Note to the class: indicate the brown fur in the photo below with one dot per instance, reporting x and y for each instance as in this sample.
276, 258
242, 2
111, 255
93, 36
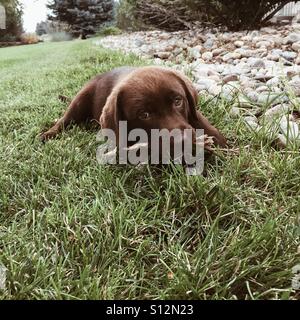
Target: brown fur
123, 93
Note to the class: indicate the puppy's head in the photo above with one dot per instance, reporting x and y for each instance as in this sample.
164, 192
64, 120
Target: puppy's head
151, 98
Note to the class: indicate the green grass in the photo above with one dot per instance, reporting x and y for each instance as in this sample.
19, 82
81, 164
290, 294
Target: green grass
71, 229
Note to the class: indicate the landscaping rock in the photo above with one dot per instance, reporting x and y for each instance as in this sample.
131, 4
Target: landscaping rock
276, 111
252, 124
235, 112
230, 78
207, 56
163, 55
289, 129
256, 63
296, 46
295, 86
289, 55
238, 43
291, 38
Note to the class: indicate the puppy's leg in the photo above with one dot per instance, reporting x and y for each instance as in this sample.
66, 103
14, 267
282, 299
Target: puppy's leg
78, 111
203, 123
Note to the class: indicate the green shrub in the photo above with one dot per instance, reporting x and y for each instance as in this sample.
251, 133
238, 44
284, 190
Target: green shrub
60, 36
127, 17
183, 14
110, 30
29, 38
8, 38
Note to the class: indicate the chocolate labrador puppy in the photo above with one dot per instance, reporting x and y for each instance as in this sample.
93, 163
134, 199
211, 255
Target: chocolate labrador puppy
147, 97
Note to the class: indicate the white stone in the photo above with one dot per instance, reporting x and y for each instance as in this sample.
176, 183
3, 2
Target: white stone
256, 63
217, 51
276, 111
252, 96
194, 53
268, 98
289, 129
207, 56
177, 51
206, 82
214, 90
250, 119
262, 89
243, 102
235, 111
216, 78
252, 125
273, 82
200, 87
295, 85
273, 57
291, 38
263, 44
209, 43
296, 46
231, 56
289, 55
245, 53
212, 72
163, 55
239, 43
290, 72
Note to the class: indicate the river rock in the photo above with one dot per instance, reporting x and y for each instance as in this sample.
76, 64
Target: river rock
291, 38
239, 43
207, 56
289, 129
276, 111
230, 78
295, 85
256, 63
163, 55
289, 55
296, 46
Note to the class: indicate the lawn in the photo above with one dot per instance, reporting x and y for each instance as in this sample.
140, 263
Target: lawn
72, 229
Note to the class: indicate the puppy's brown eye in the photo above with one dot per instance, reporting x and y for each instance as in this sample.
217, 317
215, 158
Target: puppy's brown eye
144, 115
178, 102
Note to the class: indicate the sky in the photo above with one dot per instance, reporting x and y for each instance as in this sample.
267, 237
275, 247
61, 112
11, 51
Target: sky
34, 11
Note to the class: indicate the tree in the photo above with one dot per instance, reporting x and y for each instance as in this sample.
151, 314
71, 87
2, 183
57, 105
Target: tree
41, 28
50, 27
14, 13
83, 16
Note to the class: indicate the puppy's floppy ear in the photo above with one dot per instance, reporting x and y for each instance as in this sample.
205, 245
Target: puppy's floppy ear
191, 94
196, 119
110, 116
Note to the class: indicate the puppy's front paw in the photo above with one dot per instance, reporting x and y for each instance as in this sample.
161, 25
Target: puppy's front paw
50, 134
221, 140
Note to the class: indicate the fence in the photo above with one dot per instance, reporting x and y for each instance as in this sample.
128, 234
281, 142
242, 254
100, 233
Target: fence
2, 277
289, 10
